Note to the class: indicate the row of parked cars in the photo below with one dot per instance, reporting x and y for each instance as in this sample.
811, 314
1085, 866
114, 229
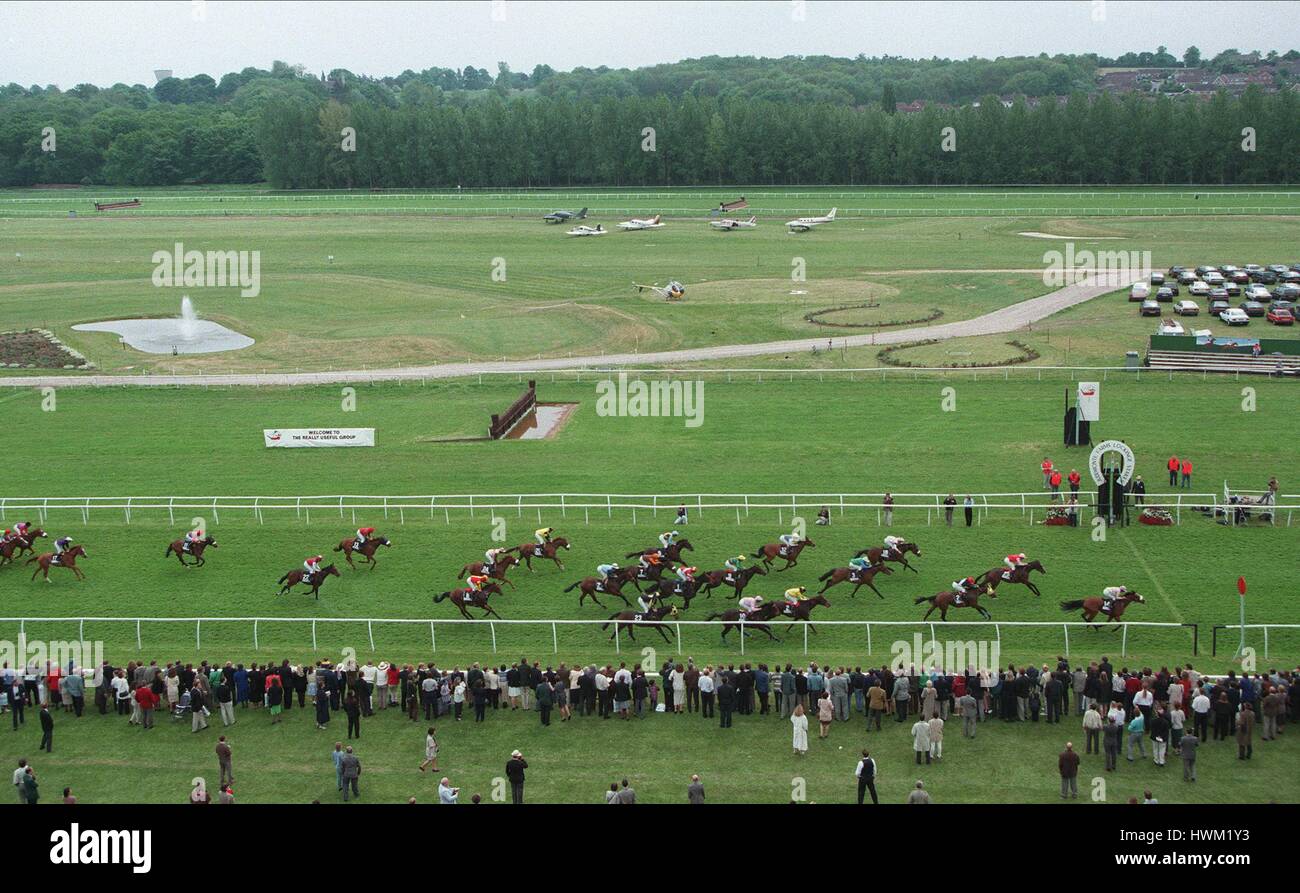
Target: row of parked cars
1218, 285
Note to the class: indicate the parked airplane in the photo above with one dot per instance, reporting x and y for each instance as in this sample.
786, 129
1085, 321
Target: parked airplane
634, 223
673, 291
561, 216
584, 230
803, 224
730, 223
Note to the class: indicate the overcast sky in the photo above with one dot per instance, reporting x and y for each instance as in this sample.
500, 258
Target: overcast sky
107, 42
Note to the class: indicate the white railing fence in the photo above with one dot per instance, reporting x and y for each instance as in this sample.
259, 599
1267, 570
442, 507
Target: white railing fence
1263, 627
673, 625
1033, 506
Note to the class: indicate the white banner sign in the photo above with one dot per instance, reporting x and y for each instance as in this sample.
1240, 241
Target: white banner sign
1089, 401
1126, 461
319, 437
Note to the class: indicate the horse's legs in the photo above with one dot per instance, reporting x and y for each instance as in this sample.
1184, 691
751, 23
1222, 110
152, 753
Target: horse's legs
811, 627
663, 633
624, 597
933, 605
1032, 588
908, 566
875, 590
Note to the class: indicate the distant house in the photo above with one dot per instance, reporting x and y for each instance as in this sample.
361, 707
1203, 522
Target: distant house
909, 107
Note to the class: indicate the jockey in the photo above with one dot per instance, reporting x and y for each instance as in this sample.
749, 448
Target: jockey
605, 569
1012, 562
963, 587
543, 535
860, 563
7, 535
733, 564
795, 594
788, 539
194, 537
668, 538
648, 601
1110, 593
60, 546
749, 605
686, 574
650, 559
362, 534
490, 558
892, 544
20, 529
312, 564
476, 582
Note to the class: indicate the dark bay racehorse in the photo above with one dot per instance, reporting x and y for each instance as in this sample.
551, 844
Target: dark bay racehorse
590, 587
669, 555
529, 551
68, 559
626, 621
1091, 607
991, 578
948, 599
195, 549
297, 575
876, 554
504, 562
859, 578
15, 546
464, 599
759, 621
803, 610
367, 550
772, 551
738, 580
664, 589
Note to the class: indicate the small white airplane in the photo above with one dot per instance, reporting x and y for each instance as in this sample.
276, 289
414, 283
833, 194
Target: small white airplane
803, 224
585, 230
634, 223
562, 216
730, 223
673, 291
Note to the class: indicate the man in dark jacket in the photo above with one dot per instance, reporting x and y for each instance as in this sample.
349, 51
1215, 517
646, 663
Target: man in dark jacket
545, 700
515, 772
47, 729
726, 702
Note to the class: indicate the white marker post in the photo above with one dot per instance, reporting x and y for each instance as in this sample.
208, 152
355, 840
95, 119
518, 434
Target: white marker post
1241, 593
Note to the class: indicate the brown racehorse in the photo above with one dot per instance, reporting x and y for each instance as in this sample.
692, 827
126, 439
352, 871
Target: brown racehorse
590, 587
669, 555
626, 621
765, 614
737, 580
636, 574
499, 567
991, 578
14, 547
948, 599
859, 578
876, 554
196, 549
296, 576
1091, 607
367, 550
772, 551
529, 551
664, 589
468, 598
68, 559
803, 610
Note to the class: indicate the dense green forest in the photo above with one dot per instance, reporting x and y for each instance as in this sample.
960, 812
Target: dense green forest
811, 120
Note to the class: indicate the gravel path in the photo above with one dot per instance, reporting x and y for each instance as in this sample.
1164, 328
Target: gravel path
1005, 319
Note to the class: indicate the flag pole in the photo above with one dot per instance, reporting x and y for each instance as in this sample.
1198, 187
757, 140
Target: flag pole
1241, 602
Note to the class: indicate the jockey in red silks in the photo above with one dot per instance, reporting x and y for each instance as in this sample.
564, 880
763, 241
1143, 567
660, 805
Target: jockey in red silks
477, 582
362, 534
1014, 561
312, 564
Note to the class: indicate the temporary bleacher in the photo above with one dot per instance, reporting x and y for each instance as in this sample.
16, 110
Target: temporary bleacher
1204, 361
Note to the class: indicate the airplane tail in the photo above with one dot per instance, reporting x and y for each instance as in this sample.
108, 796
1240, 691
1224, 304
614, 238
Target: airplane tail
831, 215
582, 215
753, 219
655, 219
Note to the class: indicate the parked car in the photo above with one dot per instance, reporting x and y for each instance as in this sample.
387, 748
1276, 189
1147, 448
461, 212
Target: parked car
1219, 292
1280, 316
1164, 294
1290, 276
1176, 269
1187, 308
1278, 268
1235, 316
1287, 292
1241, 277
1172, 285
1157, 278
1201, 271
1139, 291
1199, 288
1217, 307
1214, 277
1170, 327
1149, 308
1233, 289
1263, 277
1252, 268
1186, 277
1282, 304
1253, 308
1256, 293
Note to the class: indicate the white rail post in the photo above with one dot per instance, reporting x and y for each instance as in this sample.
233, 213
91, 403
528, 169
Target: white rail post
868, 638
492, 626
198, 638
313, 635
679, 637
617, 645
555, 639
433, 638
1123, 647
81, 630
138, 644
1066, 627
370, 633
933, 644
255, 634
805, 638
1265, 641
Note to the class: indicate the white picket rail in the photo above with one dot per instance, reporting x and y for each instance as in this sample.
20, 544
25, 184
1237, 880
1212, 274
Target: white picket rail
1032, 505
554, 625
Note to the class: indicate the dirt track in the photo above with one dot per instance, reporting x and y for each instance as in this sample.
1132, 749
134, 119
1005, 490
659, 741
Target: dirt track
1005, 319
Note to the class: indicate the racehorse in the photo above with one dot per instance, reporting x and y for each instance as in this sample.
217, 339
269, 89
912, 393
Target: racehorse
314, 580
802, 610
589, 587
68, 559
367, 550
736, 580
779, 550
759, 621
503, 563
1091, 607
991, 578
529, 551
636, 574
670, 553
195, 549
948, 599
14, 547
630, 620
876, 554
469, 598
664, 589
859, 578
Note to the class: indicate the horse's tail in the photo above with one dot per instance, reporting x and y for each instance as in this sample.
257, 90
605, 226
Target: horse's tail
1074, 605
925, 598
338, 548
573, 587
633, 554
285, 577
33, 558
759, 553
168, 553
438, 598
826, 576
462, 572
605, 625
